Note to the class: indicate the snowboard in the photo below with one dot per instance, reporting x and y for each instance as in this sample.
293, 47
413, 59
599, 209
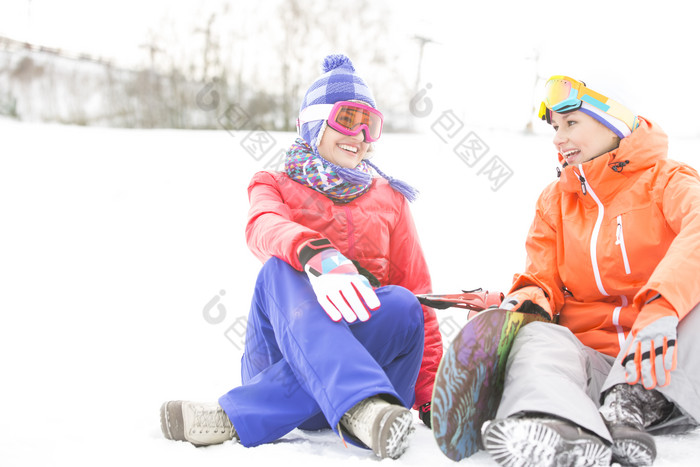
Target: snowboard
469, 381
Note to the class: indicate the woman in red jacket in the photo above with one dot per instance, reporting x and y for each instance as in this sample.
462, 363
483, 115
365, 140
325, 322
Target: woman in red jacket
614, 258
336, 336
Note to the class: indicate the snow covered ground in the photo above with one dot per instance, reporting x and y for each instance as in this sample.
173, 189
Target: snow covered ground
125, 279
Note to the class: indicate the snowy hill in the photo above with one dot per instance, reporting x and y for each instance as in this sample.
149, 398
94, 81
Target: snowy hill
115, 243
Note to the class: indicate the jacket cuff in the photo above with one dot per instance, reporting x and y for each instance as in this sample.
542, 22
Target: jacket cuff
655, 309
311, 248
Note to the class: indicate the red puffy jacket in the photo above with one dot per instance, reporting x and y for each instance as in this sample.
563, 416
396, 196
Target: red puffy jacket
375, 229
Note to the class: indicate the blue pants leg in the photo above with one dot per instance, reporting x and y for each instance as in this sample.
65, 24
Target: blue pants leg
299, 365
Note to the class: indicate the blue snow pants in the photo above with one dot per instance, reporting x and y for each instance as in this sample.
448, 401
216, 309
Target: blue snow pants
301, 369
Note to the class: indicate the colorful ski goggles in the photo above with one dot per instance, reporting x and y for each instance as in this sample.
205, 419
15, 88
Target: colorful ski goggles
348, 118
564, 94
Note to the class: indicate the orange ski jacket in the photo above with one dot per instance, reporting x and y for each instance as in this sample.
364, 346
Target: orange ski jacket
613, 233
375, 229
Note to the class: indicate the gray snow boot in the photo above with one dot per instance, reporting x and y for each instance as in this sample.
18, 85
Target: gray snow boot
628, 410
201, 424
381, 426
540, 441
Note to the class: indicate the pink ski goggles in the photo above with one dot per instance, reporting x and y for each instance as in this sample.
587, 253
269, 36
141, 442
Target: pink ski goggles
348, 118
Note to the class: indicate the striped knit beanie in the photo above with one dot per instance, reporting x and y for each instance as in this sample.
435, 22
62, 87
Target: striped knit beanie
339, 82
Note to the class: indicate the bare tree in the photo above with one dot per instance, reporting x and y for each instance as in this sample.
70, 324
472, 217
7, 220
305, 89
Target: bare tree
299, 29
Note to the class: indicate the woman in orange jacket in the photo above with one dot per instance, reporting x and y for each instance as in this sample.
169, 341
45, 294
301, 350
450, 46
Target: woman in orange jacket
614, 259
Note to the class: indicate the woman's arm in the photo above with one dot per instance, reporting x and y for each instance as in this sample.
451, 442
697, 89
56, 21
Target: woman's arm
270, 230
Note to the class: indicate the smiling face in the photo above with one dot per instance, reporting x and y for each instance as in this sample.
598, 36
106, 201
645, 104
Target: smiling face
342, 150
580, 137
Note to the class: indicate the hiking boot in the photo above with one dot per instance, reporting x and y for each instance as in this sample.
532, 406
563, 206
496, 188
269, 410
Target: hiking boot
542, 441
627, 411
381, 426
201, 424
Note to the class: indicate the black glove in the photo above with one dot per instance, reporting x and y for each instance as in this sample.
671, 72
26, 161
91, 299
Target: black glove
424, 414
529, 299
528, 306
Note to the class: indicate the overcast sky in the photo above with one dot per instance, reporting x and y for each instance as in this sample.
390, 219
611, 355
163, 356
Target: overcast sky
645, 51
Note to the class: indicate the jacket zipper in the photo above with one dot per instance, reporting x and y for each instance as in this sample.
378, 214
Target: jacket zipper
620, 240
582, 179
586, 188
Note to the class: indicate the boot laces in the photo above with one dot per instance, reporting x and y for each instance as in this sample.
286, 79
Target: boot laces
208, 419
361, 416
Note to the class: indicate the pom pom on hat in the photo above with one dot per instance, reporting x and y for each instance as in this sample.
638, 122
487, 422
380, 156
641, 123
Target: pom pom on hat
331, 62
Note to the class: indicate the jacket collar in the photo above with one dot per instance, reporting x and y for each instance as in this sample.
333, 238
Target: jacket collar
608, 172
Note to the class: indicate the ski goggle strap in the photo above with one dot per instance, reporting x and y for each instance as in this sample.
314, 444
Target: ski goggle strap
564, 94
348, 118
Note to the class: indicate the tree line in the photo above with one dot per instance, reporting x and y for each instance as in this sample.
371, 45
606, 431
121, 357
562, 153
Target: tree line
255, 56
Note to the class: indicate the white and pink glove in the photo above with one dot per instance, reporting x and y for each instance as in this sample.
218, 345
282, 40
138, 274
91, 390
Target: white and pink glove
339, 287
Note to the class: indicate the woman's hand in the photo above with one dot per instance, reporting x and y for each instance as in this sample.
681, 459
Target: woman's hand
530, 299
650, 353
339, 287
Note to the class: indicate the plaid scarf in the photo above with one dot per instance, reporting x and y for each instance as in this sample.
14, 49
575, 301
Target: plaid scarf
312, 170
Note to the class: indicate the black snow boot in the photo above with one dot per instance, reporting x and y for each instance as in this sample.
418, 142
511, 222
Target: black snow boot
628, 410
